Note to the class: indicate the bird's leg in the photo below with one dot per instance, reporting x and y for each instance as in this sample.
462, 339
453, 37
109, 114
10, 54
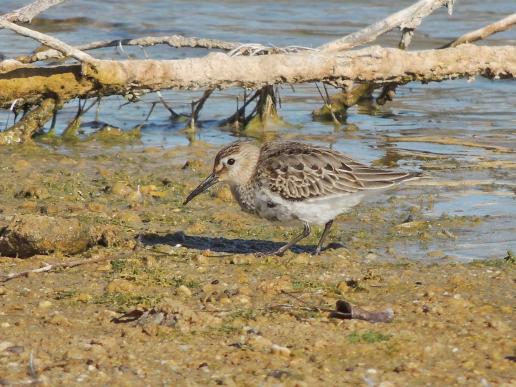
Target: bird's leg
304, 234
325, 232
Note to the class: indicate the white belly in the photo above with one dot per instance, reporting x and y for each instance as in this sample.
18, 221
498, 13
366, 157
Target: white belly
313, 211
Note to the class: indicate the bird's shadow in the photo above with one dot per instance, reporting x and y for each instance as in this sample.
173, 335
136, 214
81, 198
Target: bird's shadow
220, 245
223, 245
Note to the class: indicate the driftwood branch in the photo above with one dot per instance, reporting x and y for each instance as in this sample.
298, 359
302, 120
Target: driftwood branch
408, 18
176, 41
48, 41
482, 33
374, 64
23, 130
30, 11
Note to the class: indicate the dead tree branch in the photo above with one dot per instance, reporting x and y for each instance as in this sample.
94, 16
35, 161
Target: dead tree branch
176, 41
406, 19
30, 11
482, 33
48, 41
23, 130
374, 64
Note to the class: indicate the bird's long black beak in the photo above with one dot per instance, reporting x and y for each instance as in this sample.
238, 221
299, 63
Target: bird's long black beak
207, 183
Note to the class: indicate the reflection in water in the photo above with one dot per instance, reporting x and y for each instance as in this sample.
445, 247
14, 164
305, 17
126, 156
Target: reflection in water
480, 111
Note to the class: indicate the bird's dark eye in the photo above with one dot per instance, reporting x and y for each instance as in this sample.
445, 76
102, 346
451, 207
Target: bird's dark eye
231, 161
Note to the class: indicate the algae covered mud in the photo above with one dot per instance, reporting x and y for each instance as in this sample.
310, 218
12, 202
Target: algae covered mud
177, 296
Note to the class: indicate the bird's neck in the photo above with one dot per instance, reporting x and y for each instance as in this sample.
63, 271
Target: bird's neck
244, 195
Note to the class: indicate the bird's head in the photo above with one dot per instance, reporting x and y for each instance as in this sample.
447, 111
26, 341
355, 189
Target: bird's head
234, 164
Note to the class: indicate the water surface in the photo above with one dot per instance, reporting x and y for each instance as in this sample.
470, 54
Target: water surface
477, 110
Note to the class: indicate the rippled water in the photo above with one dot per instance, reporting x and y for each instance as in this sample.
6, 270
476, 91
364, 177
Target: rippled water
476, 110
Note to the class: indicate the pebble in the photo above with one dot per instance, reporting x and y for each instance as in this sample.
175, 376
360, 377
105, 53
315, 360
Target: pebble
3, 291
4, 345
44, 304
280, 350
184, 291
120, 285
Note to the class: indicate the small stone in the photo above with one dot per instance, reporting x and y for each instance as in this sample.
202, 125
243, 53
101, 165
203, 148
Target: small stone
4, 345
280, 350
202, 259
302, 259
3, 291
35, 192
120, 285
371, 257
184, 291
59, 320
259, 342
121, 188
21, 165
83, 297
5, 325
44, 304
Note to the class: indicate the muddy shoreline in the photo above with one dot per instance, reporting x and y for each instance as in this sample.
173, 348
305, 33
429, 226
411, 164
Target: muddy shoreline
229, 317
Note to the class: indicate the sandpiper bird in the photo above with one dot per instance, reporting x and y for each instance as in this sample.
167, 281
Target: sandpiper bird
292, 181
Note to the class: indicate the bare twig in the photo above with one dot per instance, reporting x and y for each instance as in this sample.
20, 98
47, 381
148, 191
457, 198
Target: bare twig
176, 41
55, 266
389, 91
343, 310
408, 18
241, 111
48, 41
482, 33
30, 11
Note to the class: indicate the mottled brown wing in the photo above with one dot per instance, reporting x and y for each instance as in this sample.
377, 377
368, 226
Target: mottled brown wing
298, 171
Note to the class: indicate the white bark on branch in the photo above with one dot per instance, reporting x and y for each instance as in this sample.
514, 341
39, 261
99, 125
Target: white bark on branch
482, 33
218, 70
48, 41
30, 11
408, 18
374, 64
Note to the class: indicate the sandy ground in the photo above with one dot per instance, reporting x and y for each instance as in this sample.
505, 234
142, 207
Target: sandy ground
220, 314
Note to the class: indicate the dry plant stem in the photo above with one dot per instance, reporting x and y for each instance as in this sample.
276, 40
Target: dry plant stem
408, 18
482, 33
23, 130
30, 11
48, 41
176, 41
197, 107
55, 266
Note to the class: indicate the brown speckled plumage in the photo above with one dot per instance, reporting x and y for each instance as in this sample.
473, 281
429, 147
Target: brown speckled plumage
292, 181
298, 171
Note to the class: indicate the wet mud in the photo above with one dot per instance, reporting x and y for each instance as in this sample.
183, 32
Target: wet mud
182, 298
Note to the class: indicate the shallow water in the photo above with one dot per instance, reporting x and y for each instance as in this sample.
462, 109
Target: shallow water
478, 110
